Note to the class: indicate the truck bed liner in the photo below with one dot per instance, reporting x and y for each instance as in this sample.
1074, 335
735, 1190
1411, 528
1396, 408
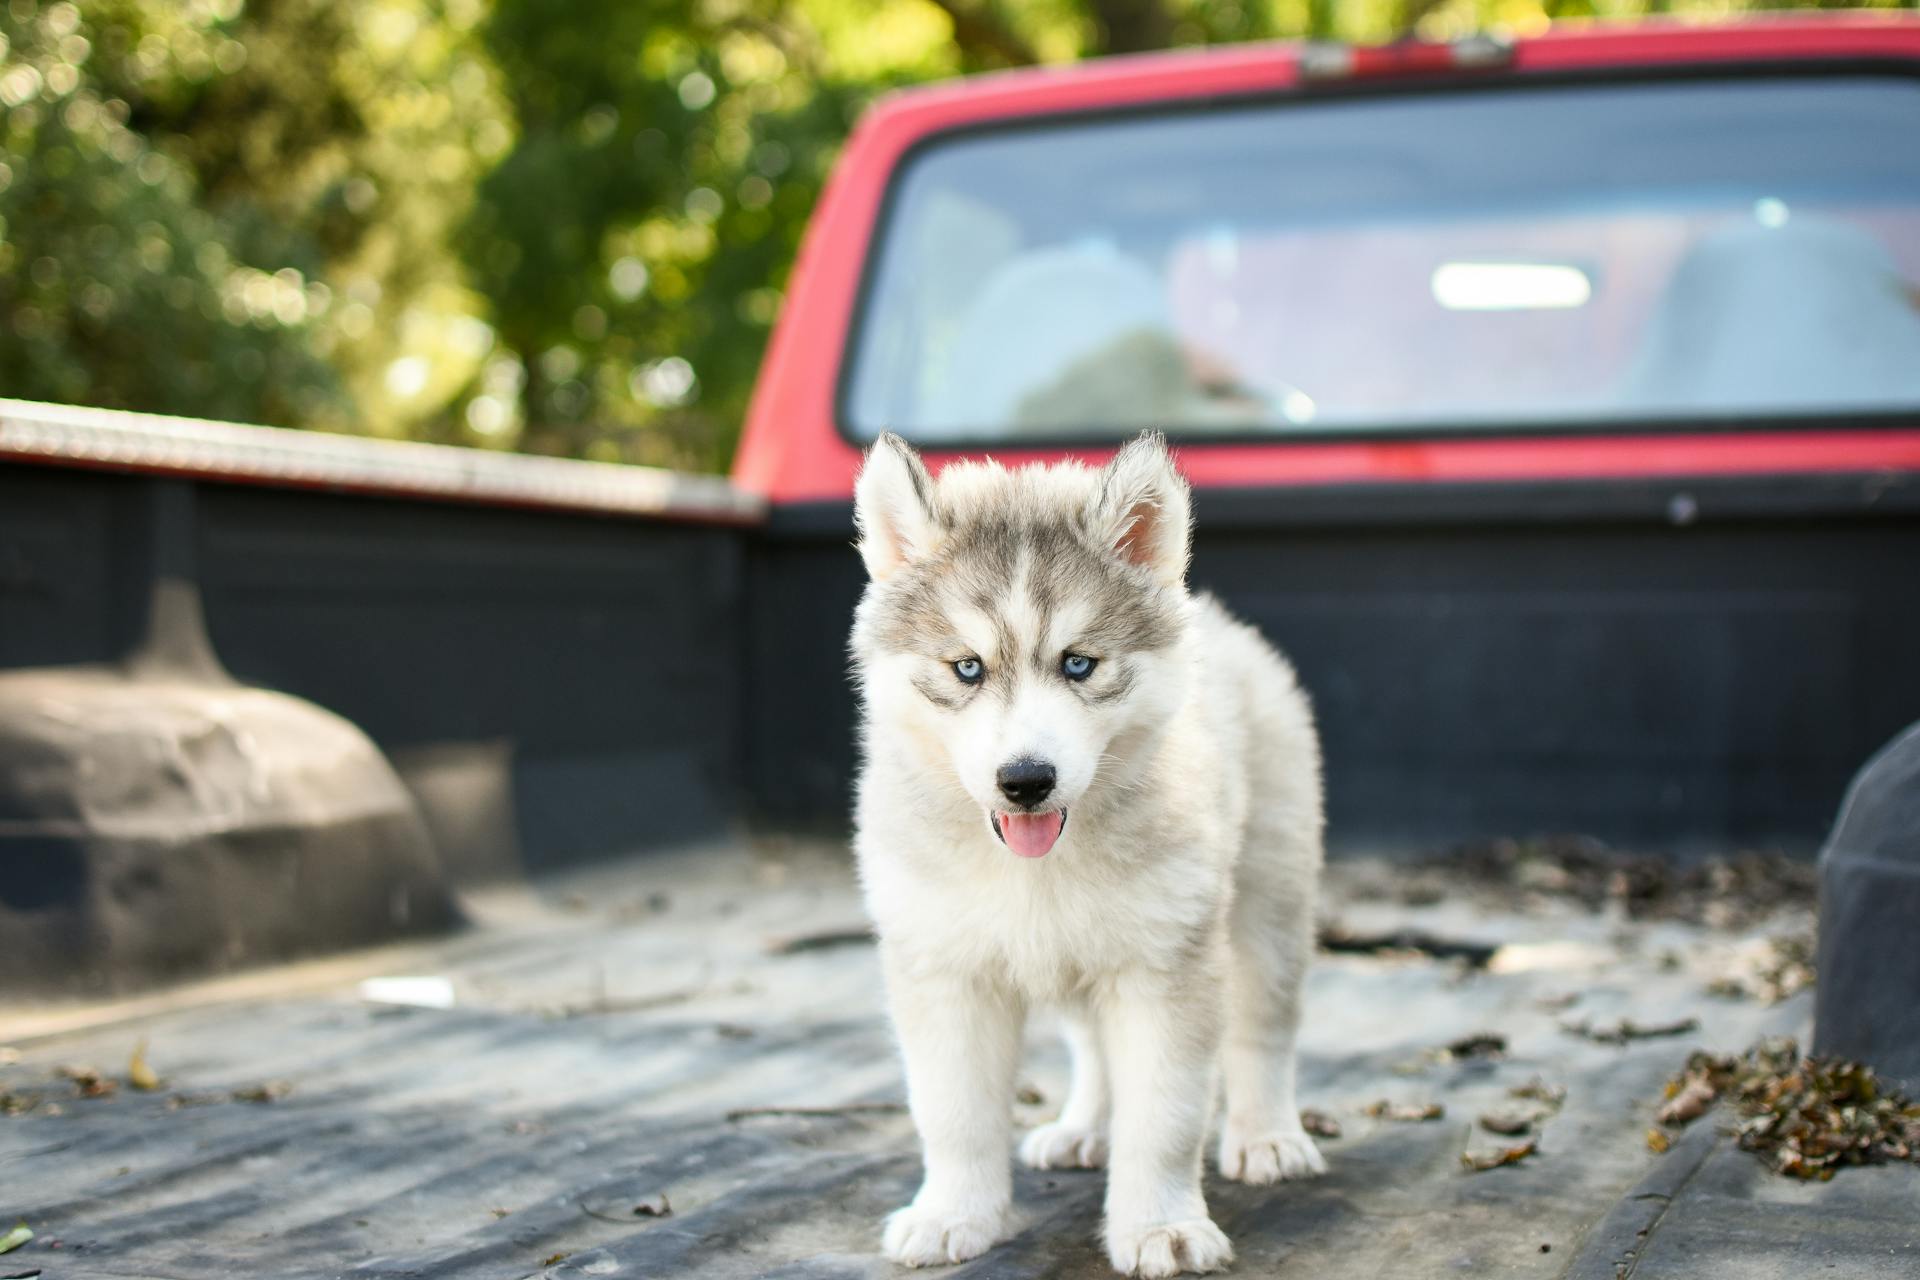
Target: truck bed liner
629, 1034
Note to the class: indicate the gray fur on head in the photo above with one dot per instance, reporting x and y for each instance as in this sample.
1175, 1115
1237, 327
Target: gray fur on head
1140, 511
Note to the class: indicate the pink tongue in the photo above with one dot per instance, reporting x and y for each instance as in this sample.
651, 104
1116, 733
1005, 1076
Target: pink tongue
1031, 834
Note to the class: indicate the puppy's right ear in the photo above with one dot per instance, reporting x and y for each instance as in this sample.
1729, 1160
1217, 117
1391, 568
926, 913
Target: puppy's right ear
893, 507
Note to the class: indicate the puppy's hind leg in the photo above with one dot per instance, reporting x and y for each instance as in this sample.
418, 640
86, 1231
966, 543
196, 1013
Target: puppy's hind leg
1262, 1140
1078, 1139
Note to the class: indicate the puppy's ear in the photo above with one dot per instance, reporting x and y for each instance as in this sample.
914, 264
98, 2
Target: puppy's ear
893, 507
1143, 511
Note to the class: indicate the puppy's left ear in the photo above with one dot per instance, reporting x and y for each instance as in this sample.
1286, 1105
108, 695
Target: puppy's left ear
1143, 510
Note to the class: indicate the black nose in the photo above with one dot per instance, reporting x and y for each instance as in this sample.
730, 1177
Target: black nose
1026, 782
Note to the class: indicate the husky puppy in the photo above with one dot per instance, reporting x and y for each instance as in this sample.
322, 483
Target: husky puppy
1087, 790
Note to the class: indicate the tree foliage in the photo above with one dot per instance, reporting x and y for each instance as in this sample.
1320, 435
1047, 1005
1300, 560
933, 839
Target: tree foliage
554, 225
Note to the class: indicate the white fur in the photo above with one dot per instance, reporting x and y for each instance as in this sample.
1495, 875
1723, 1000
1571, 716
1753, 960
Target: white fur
1171, 924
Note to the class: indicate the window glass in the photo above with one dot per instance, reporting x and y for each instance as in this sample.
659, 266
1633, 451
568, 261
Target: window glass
1509, 258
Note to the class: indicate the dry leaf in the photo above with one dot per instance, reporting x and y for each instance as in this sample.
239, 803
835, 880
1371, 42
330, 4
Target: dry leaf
1405, 1112
139, 1074
1688, 1102
1495, 1159
1627, 1030
1538, 1090
859, 935
554, 1260
1319, 1124
1658, 1141
271, 1091
89, 1080
1482, 1044
1335, 937
1508, 1124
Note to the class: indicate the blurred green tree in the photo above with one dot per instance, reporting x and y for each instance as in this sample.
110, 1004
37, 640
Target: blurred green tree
630, 244
243, 210
119, 286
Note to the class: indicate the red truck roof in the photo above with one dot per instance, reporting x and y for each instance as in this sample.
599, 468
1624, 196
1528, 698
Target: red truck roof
793, 450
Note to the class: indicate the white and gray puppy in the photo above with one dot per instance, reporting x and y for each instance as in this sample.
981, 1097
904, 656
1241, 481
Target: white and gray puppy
1088, 790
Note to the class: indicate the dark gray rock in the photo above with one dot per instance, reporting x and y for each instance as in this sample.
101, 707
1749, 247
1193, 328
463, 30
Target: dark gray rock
1868, 1006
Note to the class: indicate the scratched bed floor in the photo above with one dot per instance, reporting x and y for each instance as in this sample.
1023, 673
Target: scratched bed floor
609, 1030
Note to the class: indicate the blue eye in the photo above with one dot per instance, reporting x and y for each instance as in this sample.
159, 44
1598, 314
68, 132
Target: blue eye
1077, 666
969, 670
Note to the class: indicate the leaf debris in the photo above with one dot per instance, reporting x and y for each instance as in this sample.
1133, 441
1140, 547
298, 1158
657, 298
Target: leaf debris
1339, 939
1509, 1124
15, 1238
1538, 1090
1627, 1030
1689, 1101
17, 1104
1806, 1117
90, 1081
139, 1074
859, 935
1319, 1124
1722, 892
1405, 1112
1481, 1045
268, 1091
1786, 970
1481, 1162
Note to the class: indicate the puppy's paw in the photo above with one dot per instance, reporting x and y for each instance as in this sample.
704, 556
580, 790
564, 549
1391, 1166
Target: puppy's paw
1058, 1146
1262, 1158
1169, 1248
932, 1237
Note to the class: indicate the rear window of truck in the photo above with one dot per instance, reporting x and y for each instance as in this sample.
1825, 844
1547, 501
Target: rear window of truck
1511, 258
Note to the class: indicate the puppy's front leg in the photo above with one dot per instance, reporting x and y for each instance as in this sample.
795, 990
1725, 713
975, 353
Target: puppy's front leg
960, 1036
1162, 1036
